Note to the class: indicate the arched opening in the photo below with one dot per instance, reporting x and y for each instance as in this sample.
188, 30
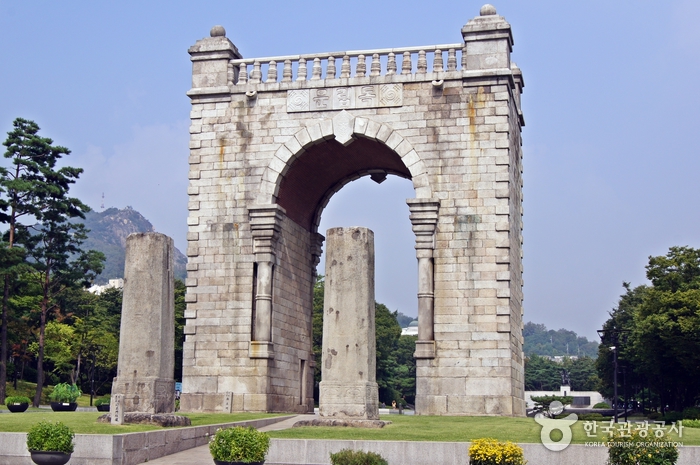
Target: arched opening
324, 168
362, 184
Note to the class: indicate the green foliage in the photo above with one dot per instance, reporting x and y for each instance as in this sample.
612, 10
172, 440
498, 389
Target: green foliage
17, 400
102, 401
542, 374
691, 423
543, 403
601, 405
636, 450
356, 457
654, 330
541, 341
387, 332
65, 393
404, 320
36, 187
489, 451
691, 413
47, 436
180, 306
239, 444
591, 417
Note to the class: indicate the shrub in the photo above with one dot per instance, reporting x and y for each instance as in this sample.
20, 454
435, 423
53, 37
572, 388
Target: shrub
17, 400
691, 423
601, 405
66, 393
671, 417
489, 451
636, 450
239, 444
357, 457
591, 417
691, 413
102, 401
47, 436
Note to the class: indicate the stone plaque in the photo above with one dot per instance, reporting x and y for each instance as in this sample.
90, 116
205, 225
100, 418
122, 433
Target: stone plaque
341, 98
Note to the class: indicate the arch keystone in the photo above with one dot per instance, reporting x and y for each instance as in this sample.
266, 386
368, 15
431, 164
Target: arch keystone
343, 127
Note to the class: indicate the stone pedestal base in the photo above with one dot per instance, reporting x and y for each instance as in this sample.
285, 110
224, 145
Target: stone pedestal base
261, 350
425, 349
342, 422
147, 395
358, 401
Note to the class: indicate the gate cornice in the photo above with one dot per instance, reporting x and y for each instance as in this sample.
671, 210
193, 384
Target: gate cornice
344, 128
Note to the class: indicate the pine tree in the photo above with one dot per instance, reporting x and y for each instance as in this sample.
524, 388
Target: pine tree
36, 188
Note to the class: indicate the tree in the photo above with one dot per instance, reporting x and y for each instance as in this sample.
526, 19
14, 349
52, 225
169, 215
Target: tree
542, 374
180, 306
39, 189
23, 192
582, 374
387, 333
655, 331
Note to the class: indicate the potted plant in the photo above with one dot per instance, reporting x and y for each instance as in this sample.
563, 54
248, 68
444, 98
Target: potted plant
50, 443
102, 404
17, 403
239, 445
64, 396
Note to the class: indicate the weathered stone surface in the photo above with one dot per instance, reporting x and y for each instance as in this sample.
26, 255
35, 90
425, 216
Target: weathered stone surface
346, 422
160, 419
454, 130
348, 386
146, 345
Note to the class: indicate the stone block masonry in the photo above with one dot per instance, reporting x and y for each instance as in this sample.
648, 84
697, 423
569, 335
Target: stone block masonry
272, 139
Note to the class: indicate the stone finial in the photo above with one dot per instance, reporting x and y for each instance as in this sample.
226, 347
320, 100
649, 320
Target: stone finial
217, 31
486, 10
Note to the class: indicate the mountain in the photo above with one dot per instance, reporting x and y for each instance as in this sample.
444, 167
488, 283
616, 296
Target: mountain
108, 232
541, 341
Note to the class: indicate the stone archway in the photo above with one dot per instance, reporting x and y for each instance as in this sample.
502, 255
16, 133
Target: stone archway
268, 153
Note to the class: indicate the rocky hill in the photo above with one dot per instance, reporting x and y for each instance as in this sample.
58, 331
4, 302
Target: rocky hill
108, 232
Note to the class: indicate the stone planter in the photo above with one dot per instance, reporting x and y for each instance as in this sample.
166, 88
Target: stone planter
103, 408
49, 458
219, 462
64, 406
16, 408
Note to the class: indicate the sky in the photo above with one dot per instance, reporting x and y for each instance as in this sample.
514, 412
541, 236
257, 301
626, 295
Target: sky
611, 162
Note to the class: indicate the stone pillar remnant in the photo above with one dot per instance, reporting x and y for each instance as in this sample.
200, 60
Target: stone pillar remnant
348, 388
147, 340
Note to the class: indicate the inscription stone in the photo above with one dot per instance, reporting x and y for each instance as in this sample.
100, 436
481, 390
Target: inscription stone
147, 337
339, 98
348, 388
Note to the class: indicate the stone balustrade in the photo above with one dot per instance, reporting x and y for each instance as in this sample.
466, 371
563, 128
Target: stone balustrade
412, 63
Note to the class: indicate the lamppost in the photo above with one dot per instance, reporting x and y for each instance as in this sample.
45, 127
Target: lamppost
614, 333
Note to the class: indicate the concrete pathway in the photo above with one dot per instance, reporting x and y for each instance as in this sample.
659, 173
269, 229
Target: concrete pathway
201, 456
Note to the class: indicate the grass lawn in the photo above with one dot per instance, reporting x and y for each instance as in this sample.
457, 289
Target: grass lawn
86, 422
459, 429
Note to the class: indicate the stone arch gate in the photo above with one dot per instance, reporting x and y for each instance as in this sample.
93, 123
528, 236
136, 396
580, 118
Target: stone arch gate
266, 156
